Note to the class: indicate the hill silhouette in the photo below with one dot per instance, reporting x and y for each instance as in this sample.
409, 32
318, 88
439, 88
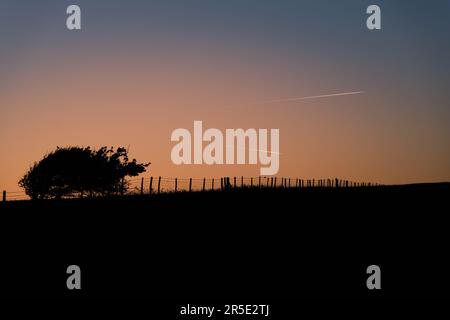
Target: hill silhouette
238, 243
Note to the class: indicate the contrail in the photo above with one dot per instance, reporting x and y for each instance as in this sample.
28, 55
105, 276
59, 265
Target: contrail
258, 150
314, 97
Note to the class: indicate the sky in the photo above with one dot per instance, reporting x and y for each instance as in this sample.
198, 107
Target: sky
140, 69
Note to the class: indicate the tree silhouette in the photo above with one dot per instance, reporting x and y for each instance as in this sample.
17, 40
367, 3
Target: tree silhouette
75, 171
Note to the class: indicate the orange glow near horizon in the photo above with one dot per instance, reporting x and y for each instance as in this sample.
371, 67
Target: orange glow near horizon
138, 99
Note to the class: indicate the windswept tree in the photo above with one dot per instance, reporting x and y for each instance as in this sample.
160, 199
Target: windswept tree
75, 171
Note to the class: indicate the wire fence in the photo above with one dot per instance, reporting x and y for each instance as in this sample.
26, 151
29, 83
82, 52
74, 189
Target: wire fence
155, 185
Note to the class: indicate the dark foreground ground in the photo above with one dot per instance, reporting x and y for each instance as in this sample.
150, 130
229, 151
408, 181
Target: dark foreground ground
242, 245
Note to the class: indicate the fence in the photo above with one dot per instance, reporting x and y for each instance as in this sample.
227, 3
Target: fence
155, 185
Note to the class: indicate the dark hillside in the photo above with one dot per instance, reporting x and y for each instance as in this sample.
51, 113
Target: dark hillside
249, 244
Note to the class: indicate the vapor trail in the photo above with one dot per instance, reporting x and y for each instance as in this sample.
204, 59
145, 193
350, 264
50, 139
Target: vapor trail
314, 97
258, 150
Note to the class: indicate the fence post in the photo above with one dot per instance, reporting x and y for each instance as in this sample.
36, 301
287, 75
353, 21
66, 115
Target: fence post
221, 183
142, 185
190, 184
259, 182
212, 184
275, 181
176, 184
267, 182
336, 182
4, 195
234, 182
289, 183
159, 184
251, 182
122, 188
150, 186
242, 181
204, 181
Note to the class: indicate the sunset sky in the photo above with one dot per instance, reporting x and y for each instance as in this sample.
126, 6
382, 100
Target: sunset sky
140, 69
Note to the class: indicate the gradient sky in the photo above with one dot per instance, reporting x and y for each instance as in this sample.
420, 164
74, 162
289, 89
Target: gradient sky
140, 69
